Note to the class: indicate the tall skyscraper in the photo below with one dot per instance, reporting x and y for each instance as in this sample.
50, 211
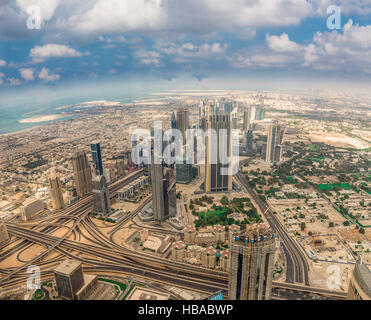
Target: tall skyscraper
249, 142
97, 158
173, 121
182, 121
101, 196
184, 172
82, 173
55, 191
163, 192
251, 266
216, 177
158, 205
275, 137
246, 120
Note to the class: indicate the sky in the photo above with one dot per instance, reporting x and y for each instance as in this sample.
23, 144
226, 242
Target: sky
155, 44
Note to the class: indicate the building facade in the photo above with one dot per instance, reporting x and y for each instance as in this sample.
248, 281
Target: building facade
251, 266
101, 196
96, 156
82, 173
218, 177
55, 191
360, 282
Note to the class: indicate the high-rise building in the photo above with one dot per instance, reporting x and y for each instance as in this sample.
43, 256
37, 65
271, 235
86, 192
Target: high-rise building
55, 191
163, 192
4, 236
360, 282
182, 121
184, 172
251, 266
275, 135
173, 121
69, 279
169, 185
217, 171
97, 158
249, 142
246, 120
101, 196
157, 191
82, 173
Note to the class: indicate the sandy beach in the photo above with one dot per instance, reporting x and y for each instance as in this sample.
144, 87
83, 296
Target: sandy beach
50, 117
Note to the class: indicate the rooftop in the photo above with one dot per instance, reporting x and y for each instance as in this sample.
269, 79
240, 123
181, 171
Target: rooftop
67, 267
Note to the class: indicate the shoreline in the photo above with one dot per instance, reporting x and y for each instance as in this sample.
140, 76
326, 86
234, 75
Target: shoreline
39, 124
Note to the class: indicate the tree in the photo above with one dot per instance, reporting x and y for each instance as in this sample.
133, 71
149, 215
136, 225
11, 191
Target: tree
346, 223
331, 225
362, 231
224, 201
302, 226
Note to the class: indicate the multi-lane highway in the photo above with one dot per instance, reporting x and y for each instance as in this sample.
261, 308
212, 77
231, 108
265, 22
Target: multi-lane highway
296, 264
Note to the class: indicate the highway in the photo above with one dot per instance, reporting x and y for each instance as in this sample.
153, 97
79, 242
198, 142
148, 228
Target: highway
296, 264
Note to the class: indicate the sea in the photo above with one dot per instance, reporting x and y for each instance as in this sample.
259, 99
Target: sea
10, 115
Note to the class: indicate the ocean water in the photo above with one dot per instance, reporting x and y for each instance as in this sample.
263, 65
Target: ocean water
11, 114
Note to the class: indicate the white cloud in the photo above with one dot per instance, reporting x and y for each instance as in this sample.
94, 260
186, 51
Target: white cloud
190, 50
48, 7
346, 51
46, 76
14, 81
281, 43
27, 74
52, 50
102, 16
148, 57
2, 63
350, 50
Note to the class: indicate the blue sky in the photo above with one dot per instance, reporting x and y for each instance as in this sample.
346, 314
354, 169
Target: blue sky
178, 43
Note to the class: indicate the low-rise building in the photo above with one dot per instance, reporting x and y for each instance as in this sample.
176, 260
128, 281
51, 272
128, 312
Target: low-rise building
31, 208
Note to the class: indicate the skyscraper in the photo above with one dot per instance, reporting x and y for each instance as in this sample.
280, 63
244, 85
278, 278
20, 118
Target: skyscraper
163, 192
184, 173
101, 196
274, 148
82, 173
157, 191
251, 266
246, 120
182, 121
55, 191
173, 121
97, 158
216, 177
249, 142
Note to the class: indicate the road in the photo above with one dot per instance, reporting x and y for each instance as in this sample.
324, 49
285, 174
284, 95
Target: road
296, 263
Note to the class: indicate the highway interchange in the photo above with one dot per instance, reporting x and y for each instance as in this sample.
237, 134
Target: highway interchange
104, 255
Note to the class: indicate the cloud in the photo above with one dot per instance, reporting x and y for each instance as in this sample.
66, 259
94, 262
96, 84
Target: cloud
40, 53
48, 7
339, 51
102, 16
281, 43
2, 75
46, 76
148, 57
2, 63
350, 50
14, 81
27, 74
